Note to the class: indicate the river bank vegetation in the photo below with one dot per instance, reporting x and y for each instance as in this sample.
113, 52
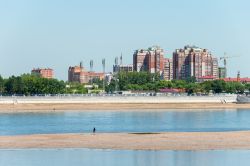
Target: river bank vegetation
27, 84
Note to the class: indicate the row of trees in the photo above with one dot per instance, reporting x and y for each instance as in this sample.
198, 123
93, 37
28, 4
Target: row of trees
28, 84
146, 81
32, 85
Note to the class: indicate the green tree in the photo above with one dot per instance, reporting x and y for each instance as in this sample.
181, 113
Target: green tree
179, 84
192, 88
218, 86
240, 88
247, 87
1, 85
207, 86
15, 85
111, 88
75, 88
31, 84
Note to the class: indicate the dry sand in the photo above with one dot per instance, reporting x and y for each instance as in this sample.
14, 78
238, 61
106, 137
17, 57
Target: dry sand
116, 106
153, 141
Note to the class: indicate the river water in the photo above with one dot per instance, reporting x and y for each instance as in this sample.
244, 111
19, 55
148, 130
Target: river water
123, 121
82, 157
115, 121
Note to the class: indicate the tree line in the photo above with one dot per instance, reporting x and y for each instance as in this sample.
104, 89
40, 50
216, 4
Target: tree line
28, 84
143, 81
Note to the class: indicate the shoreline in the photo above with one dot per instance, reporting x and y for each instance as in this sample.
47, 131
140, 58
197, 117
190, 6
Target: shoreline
60, 107
133, 141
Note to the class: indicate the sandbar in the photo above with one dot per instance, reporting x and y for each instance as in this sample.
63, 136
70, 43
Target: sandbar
133, 141
53, 107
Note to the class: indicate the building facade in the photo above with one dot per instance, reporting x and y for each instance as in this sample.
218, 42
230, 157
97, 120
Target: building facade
80, 75
43, 72
168, 69
140, 60
122, 68
194, 62
222, 72
149, 60
156, 60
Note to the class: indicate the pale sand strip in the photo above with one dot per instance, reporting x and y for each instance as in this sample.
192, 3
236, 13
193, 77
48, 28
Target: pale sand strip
117, 106
125, 141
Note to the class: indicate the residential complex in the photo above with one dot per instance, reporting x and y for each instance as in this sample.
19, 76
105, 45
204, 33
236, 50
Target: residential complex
43, 72
186, 63
194, 62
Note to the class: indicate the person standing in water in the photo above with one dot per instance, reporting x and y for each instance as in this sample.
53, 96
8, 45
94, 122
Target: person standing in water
94, 130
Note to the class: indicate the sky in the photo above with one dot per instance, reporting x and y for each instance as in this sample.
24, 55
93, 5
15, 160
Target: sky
61, 33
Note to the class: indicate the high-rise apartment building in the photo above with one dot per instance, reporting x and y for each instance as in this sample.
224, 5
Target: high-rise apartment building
43, 72
150, 60
168, 69
194, 62
156, 60
215, 68
141, 60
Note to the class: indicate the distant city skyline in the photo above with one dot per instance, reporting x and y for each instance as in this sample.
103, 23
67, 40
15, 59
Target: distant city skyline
58, 34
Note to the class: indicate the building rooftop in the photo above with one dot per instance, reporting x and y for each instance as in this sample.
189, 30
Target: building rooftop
236, 79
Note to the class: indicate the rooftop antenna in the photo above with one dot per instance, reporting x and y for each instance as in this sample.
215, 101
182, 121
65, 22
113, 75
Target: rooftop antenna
81, 66
116, 61
103, 67
121, 59
238, 76
91, 63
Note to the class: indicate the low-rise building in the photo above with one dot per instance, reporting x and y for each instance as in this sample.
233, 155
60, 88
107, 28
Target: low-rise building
80, 75
242, 80
205, 78
122, 68
43, 72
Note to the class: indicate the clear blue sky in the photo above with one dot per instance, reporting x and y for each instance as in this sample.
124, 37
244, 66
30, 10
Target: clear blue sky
60, 33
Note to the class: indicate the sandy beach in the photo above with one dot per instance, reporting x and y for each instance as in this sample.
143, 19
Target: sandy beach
133, 141
54, 107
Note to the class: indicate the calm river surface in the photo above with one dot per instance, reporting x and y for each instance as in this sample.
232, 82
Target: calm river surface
158, 121
80, 157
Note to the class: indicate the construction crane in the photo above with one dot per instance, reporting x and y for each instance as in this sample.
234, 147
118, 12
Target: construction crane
225, 58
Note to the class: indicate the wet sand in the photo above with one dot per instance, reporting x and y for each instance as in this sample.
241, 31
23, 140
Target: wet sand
116, 106
130, 141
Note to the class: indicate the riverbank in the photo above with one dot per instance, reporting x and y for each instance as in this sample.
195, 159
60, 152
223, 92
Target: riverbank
133, 141
54, 107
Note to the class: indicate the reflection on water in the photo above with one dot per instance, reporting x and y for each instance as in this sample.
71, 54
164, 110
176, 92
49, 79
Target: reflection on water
80, 157
155, 121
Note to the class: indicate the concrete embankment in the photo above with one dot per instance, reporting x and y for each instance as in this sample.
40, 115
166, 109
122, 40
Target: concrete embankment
115, 103
118, 99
